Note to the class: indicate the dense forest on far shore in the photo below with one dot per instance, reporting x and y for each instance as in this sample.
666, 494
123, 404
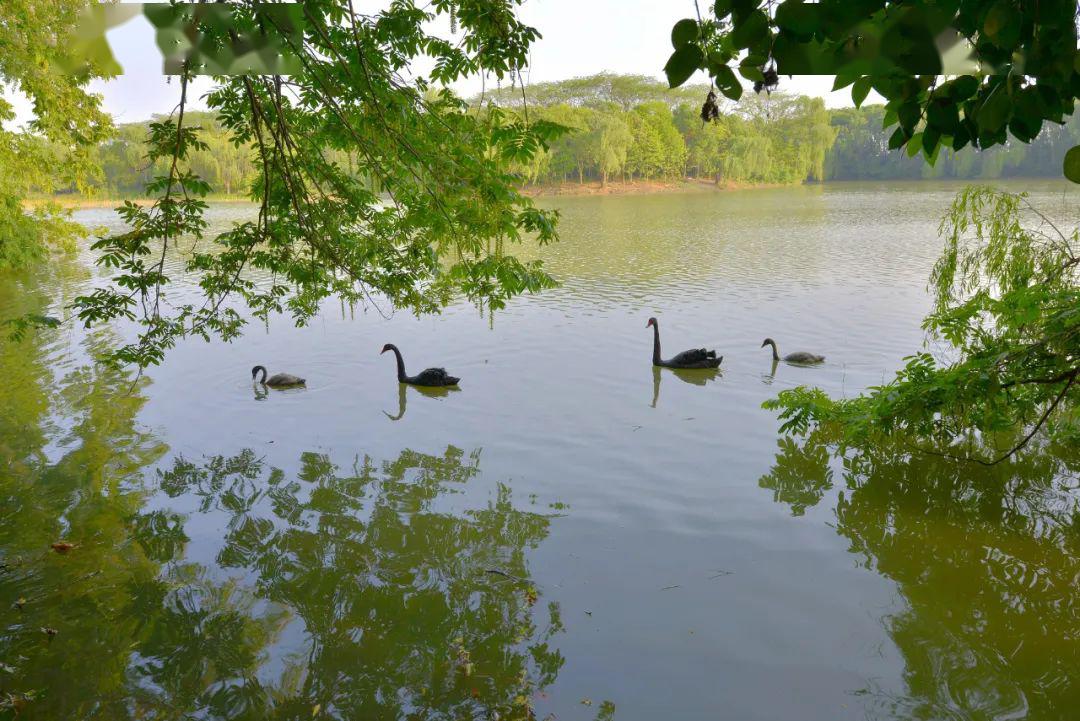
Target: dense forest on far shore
629, 127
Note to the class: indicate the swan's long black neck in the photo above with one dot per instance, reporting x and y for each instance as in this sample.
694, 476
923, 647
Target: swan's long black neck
400, 364
656, 344
775, 355
255, 372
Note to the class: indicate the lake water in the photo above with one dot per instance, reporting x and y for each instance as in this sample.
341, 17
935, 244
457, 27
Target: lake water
571, 530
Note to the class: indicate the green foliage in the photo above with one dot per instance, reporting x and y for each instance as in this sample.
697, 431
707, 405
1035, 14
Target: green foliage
861, 152
1007, 302
652, 132
1008, 67
424, 210
34, 36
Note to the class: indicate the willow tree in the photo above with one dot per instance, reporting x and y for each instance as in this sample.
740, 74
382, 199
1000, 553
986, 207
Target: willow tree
953, 73
426, 214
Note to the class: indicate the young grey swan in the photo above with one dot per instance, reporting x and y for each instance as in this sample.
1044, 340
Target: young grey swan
797, 357
694, 358
278, 380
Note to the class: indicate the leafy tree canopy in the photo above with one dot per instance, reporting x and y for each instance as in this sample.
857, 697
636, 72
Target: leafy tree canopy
953, 72
68, 121
425, 214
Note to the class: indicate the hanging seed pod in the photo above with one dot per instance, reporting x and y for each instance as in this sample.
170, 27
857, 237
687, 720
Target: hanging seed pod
453, 19
710, 110
772, 79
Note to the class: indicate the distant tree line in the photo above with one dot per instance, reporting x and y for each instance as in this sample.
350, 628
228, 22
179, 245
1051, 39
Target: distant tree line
861, 152
628, 127
125, 169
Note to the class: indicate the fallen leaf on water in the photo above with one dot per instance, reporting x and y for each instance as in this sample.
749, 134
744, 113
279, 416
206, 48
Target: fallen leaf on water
20, 603
49, 631
586, 702
315, 710
62, 546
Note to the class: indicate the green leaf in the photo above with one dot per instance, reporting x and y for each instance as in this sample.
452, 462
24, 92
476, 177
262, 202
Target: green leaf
682, 64
993, 114
960, 138
752, 73
1002, 24
860, 90
897, 139
963, 87
722, 8
931, 138
843, 79
1071, 165
909, 114
741, 8
914, 145
684, 33
798, 17
751, 29
728, 84
716, 60
932, 155
943, 114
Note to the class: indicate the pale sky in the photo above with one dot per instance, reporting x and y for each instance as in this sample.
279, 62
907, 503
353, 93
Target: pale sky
580, 37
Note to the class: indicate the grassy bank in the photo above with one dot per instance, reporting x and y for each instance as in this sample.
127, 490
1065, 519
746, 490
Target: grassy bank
76, 202
640, 187
612, 187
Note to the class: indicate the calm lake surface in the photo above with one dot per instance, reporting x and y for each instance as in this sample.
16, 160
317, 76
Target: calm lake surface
570, 530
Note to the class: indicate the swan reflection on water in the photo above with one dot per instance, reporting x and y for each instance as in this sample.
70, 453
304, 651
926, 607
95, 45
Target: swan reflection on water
430, 392
262, 391
768, 378
696, 376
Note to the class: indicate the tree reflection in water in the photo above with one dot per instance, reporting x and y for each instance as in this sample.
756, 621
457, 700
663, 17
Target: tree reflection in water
404, 611
228, 589
987, 561
332, 594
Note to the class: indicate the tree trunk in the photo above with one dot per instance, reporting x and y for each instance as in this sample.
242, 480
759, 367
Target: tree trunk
580, 175
603, 179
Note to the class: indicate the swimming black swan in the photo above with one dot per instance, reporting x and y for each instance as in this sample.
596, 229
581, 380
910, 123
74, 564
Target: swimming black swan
278, 380
432, 377
798, 357
695, 358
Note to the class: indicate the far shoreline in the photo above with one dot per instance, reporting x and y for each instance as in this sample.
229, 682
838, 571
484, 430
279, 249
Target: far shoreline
643, 187
568, 189
593, 187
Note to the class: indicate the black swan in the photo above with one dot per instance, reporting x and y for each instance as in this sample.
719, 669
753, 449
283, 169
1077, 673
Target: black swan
798, 357
431, 377
278, 380
694, 358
